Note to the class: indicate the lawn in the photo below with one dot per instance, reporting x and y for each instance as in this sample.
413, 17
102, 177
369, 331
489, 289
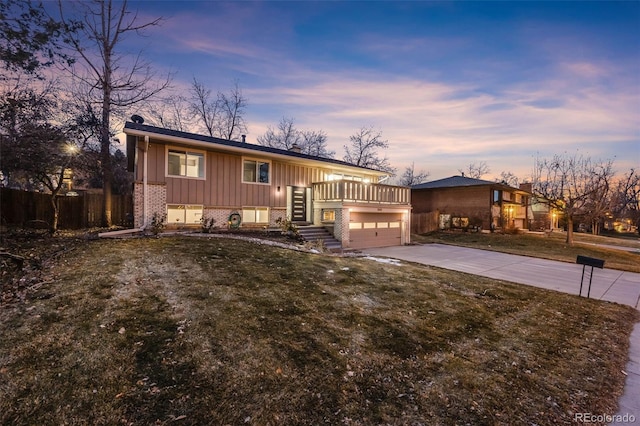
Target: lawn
551, 247
193, 330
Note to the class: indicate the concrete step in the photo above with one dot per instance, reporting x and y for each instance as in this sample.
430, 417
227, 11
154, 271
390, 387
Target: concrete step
315, 233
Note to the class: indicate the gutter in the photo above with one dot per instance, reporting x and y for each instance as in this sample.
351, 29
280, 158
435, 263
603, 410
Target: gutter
237, 148
145, 198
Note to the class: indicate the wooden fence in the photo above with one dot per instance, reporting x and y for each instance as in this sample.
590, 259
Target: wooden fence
20, 208
422, 223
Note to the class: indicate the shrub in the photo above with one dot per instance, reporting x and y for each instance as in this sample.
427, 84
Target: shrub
158, 223
288, 228
511, 230
208, 225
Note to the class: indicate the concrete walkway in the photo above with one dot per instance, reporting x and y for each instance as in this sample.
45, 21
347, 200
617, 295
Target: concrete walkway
607, 284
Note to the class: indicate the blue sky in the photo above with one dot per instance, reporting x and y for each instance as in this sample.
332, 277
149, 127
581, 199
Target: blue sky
447, 83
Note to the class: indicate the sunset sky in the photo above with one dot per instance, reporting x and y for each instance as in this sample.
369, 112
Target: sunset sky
447, 83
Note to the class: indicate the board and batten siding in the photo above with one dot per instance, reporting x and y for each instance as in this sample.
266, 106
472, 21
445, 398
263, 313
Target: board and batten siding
222, 186
156, 164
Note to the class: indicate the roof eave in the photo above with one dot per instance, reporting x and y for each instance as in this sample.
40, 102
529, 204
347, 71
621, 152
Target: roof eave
251, 152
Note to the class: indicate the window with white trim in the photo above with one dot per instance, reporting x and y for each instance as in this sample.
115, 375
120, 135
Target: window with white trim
183, 214
341, 176
185, 163
255, 215
328, 215
255, 171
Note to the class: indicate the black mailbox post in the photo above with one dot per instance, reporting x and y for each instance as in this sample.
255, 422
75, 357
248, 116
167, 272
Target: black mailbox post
588, 261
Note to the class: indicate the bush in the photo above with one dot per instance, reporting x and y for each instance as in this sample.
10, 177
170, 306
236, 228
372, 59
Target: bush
158, 223
288, 228
208, 225
511, 230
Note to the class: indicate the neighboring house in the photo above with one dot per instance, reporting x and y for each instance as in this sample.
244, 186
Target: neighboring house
188, 177
466, 202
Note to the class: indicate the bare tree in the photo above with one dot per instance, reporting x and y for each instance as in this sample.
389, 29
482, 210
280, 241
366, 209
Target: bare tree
171, 112
284, 137
475, 171
411, 177
626, 197
287, 136
508, 178
314, 142
111, 85
204, 107
600, 199
232, 106
569, 183
221, 115
364, 150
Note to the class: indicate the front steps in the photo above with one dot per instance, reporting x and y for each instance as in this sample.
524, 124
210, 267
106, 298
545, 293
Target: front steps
315, 233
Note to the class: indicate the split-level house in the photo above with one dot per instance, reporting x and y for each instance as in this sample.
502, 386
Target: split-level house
187, 177
463, 202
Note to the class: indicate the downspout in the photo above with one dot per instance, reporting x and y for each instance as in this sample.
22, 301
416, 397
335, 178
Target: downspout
145, 198
145, 191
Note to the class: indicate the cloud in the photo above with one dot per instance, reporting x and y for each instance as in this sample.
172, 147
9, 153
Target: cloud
442, 102
425, 119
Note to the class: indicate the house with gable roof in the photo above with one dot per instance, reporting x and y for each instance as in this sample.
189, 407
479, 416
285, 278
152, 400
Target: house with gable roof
464, 202
187, 177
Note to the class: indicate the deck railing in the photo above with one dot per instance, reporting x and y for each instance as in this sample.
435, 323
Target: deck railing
349, 190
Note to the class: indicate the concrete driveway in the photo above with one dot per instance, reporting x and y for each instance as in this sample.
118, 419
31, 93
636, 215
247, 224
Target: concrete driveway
607, 284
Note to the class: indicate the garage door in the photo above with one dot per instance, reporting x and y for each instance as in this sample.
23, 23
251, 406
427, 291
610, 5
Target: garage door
375, 230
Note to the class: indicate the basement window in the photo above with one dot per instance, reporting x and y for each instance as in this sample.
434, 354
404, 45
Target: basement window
178, 214
328, 215
255, 215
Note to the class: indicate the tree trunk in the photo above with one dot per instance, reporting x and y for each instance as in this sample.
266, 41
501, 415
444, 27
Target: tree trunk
106, 186
569, 239
105, 142
56, 214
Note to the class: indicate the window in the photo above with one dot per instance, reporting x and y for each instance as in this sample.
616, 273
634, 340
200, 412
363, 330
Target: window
183, 214
255, 215
255, 171
497, 196
328, 215
184, 163
340, 176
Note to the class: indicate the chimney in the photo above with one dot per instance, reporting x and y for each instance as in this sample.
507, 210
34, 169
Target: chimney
244, 138
295, 148
526, 187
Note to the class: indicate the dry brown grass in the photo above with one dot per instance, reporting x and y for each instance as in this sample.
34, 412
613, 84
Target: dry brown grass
548, 247
216, 331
